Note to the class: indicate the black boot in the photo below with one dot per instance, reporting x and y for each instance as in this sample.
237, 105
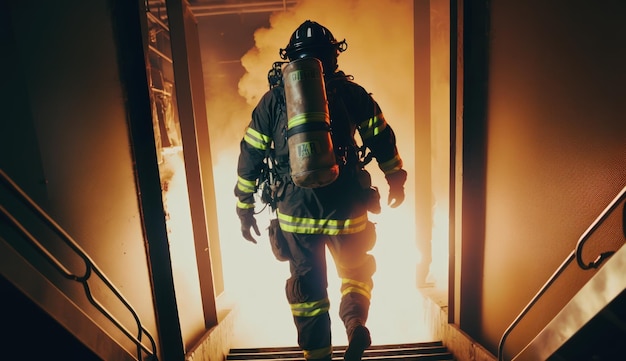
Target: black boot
360, 340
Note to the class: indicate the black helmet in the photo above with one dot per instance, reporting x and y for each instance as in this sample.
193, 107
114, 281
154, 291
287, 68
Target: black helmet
314, 40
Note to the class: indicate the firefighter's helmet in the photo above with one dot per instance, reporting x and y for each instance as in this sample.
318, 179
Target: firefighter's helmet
312, 40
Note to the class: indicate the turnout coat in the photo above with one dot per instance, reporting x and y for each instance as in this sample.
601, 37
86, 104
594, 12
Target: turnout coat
335, 209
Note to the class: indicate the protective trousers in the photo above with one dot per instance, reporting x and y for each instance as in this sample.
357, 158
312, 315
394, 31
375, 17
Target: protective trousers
306, 289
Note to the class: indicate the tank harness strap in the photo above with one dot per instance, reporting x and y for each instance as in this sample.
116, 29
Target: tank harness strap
308, 127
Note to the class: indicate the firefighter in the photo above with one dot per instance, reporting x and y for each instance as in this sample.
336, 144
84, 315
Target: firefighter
308, 219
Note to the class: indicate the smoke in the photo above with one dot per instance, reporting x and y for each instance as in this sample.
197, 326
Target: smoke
380, 57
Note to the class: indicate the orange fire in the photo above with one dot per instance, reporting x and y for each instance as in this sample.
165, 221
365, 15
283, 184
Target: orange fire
380, 56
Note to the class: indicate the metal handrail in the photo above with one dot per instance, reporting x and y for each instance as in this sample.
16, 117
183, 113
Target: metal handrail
90, 267
575, 254
601, 218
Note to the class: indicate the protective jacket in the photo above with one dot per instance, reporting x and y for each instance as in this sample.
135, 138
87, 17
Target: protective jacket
339, 208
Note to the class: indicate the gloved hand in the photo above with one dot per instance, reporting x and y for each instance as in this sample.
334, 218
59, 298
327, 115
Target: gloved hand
246, 216
396, 187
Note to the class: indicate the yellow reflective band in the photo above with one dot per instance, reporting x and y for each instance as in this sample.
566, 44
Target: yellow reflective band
246, 186
392, 165
319, 353
310, 309
356, 290
243, 205
305, 118
256, 139
351, 282
354, 286
372, 127
321, 226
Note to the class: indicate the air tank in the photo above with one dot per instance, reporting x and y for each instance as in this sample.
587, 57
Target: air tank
311, 155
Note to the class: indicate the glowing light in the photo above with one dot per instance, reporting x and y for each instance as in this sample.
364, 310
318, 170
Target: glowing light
439, 268
380, 57
180, 235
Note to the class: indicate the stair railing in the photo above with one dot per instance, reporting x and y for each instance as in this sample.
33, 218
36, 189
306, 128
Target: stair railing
90, 267
575, 254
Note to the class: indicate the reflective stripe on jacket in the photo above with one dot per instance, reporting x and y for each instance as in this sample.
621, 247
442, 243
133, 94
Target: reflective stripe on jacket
335, 209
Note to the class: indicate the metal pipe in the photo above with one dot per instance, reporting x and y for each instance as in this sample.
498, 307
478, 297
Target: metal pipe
226, 9
158, 21
160, 53
601, 218
247, 11
244, 5
573, 255
543, 289
23, 197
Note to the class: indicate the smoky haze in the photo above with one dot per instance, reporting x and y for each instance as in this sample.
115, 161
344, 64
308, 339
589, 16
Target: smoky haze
379, 56
379, 35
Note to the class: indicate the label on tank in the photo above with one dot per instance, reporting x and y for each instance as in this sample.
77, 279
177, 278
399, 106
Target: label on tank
304, 75
307, 149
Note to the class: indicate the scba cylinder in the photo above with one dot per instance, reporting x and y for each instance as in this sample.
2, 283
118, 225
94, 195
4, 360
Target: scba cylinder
311, 155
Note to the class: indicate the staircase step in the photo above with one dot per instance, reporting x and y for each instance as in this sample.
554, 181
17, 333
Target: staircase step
422, 351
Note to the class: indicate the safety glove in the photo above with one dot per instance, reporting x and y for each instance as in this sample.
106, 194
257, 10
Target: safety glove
246, 216
396, 187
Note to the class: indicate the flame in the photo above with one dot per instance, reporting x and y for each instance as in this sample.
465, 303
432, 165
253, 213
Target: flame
380, 56
180, 236
256, 280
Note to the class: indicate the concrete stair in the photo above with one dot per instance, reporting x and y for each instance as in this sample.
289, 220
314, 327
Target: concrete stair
411, 351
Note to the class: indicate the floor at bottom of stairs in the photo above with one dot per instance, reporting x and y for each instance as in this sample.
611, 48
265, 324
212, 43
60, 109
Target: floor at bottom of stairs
421, 351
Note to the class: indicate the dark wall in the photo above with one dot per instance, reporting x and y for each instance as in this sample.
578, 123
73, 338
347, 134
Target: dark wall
25, 325
18, 141
66, 142
555, 152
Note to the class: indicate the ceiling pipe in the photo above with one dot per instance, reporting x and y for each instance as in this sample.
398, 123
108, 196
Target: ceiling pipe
246, 7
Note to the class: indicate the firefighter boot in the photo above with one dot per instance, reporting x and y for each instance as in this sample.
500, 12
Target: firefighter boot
359, 341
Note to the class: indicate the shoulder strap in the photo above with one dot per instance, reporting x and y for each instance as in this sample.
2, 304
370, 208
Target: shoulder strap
351, 152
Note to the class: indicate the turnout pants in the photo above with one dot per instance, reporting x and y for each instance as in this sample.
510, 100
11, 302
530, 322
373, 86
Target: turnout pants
306, 289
